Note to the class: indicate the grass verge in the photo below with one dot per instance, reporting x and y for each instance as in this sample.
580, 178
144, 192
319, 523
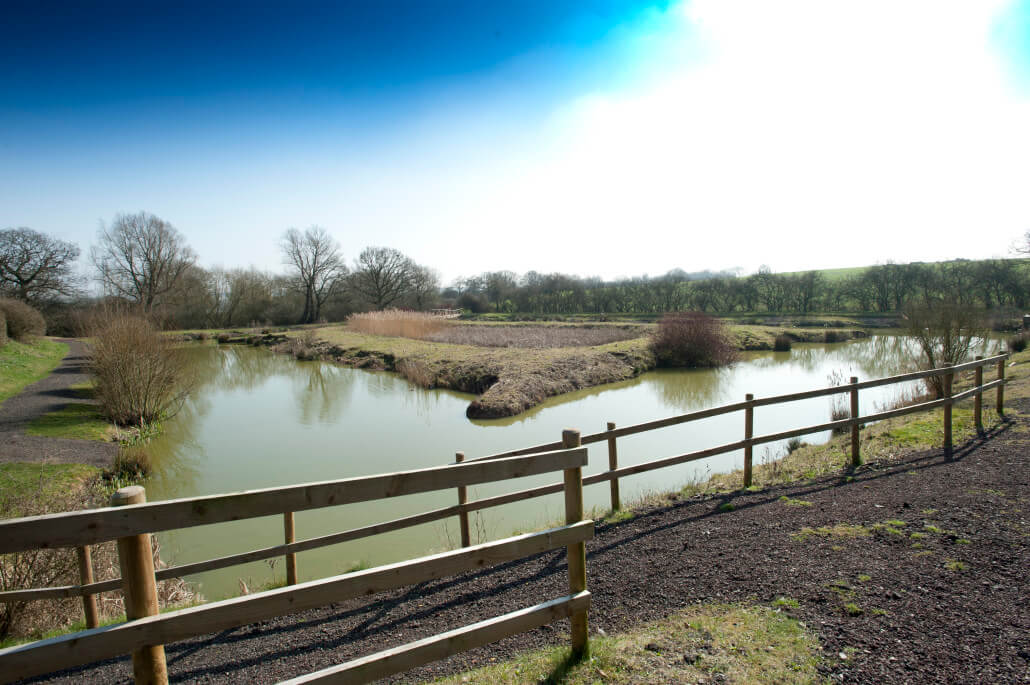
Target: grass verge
18, 480
22, 364
738, 643
74, 421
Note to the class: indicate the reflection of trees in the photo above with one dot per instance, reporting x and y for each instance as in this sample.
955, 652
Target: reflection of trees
694, 389
321, 391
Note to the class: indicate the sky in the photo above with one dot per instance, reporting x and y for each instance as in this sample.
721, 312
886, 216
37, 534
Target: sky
607, 138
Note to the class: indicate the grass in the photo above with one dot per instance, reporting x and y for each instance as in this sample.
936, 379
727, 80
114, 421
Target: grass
19, 479
22, 364
74, 421
791, 502
838, 530
733, 643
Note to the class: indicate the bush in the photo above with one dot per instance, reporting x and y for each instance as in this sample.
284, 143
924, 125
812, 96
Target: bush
224, 338
3, 328
1017, 344
23, 322
138, 375
946, 333
782, 343
691, 339
831, 337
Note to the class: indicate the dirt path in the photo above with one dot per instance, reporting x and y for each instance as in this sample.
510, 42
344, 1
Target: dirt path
43, 397
939, 595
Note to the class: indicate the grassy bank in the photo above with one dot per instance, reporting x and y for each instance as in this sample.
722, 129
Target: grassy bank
22, 364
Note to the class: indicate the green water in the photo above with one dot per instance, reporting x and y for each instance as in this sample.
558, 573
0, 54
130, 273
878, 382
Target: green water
260, 420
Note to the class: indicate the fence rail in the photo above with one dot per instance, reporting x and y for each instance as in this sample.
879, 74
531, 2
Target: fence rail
81, 529
145, 633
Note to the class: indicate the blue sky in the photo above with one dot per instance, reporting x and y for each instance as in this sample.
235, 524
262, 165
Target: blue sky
614, 137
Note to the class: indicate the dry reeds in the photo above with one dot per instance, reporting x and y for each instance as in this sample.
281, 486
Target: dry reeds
417, 372
138, 375
397, 323
534, 337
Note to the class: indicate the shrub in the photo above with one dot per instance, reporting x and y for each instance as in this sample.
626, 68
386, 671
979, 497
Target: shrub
1017, 344
224, 337
831, 337
946, 333
691, 339
3, 328
782, 343
23, 322
138, 375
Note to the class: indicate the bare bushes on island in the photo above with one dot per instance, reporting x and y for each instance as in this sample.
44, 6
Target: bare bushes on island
692, 339
138, 374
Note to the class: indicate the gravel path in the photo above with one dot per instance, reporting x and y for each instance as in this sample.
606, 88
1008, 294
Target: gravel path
42, 397
924, 618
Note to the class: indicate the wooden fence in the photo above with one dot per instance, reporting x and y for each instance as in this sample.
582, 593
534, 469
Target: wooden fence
81, 529
131, 520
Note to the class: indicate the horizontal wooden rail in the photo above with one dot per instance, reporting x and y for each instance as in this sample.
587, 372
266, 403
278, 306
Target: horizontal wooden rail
57, 653
72, 529
778, 399
399, 659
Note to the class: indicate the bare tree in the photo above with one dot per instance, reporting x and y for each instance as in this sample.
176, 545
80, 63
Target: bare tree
425, 286
35, 267
142, 258
946, 332
382, 276
318, 267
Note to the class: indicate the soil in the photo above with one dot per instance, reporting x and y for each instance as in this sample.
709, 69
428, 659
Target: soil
949, 604
42, 397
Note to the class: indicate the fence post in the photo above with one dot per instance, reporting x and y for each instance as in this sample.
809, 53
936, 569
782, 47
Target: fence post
856, 454
89, 602
463, 498
136, 559
613, 463
749, 430
290, 535
577, 552
978, 398
948, 379
1001, 387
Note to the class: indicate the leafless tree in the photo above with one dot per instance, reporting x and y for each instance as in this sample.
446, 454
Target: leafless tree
946, 333
382, 276
425, 286
318, 267
142, 258
35, 267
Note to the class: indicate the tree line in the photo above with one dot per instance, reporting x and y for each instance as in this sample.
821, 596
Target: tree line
145, 262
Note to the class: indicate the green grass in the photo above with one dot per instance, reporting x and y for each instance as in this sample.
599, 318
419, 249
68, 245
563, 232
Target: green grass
18, 480
791, 502
22, 364
75, 421
745, 644
839, 530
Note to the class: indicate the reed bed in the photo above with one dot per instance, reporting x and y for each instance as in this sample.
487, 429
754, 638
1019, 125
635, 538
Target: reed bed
397, 323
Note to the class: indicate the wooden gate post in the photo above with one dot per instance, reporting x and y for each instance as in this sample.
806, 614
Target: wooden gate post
1001, 387
136, 559
856, 454
463, 498
290, 535
613, 463
749, 430
577, 552
978, 398
948, 379
89, 602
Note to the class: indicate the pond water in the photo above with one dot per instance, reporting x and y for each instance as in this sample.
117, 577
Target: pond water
258, 419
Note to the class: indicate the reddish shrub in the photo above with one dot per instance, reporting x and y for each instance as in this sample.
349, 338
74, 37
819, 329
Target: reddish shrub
691, 339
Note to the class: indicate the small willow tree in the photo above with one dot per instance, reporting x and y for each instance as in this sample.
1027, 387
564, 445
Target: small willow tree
138, 374
946, 332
